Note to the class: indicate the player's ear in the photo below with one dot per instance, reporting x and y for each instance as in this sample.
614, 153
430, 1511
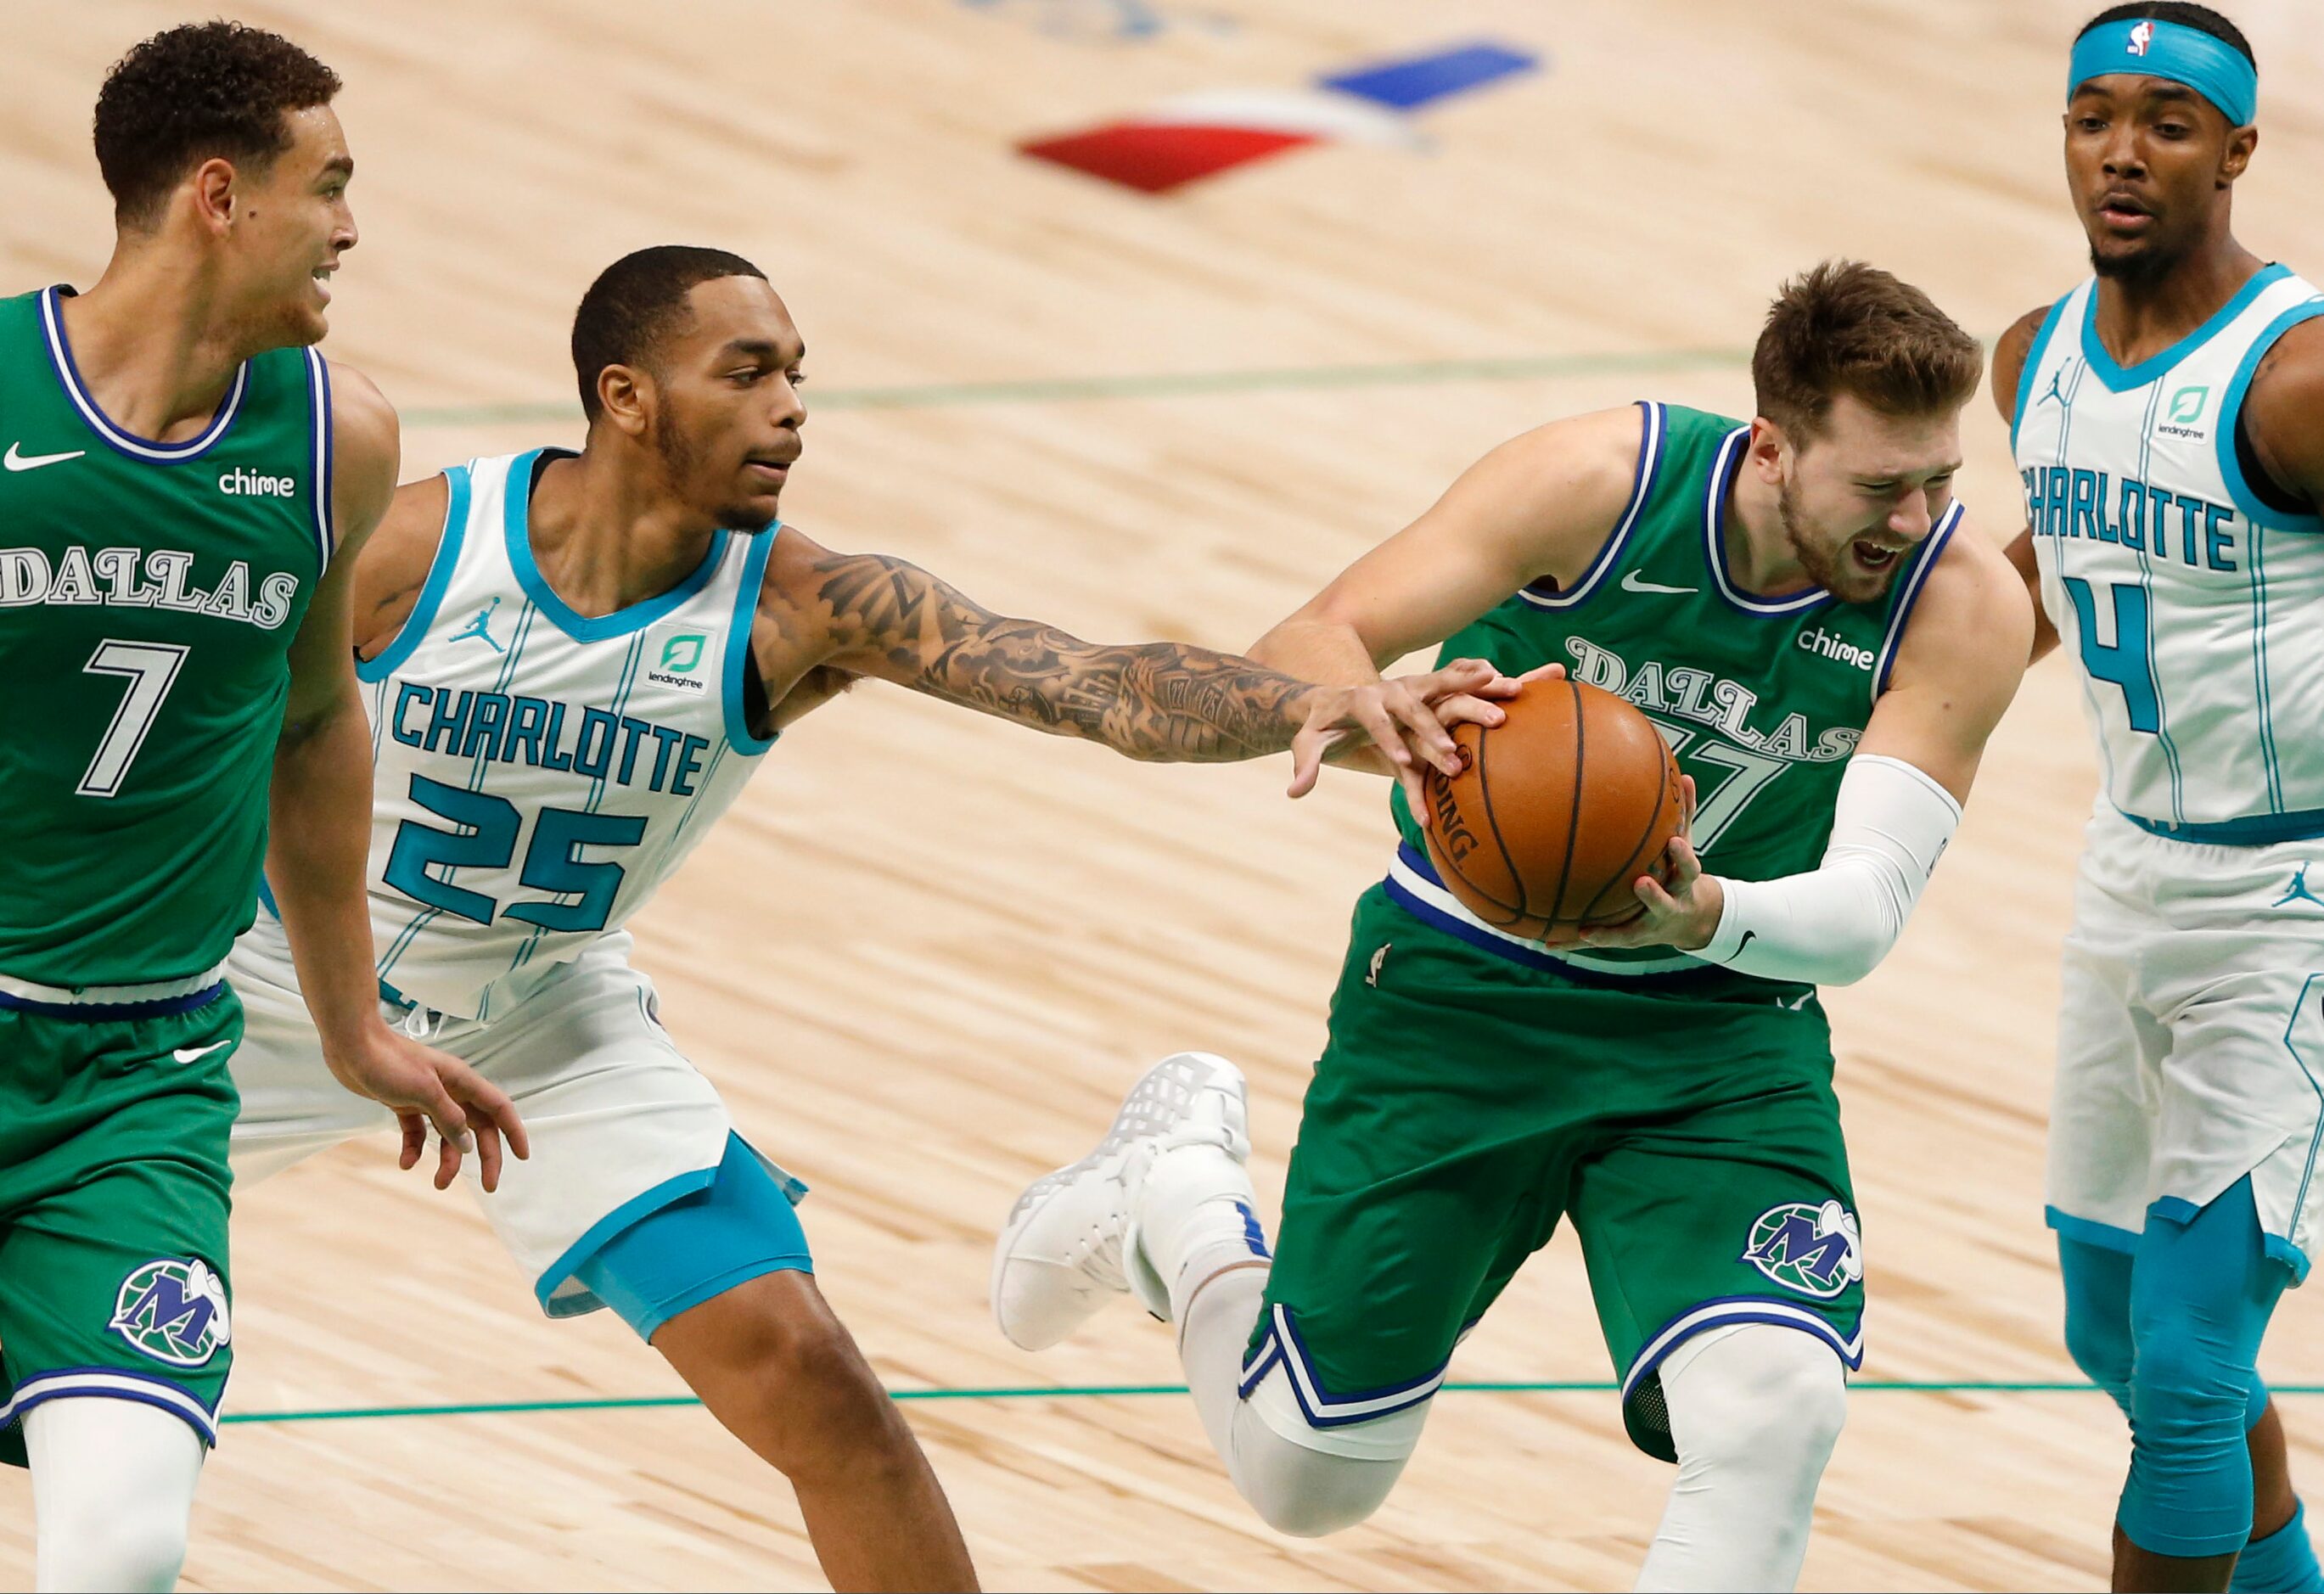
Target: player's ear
215, 194
2241, 143
621, 394
1766, 450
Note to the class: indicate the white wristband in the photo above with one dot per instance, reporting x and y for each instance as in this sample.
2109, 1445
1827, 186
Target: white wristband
1834, 923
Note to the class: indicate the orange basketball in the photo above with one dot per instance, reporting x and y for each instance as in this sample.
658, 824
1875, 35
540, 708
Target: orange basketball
1559, 810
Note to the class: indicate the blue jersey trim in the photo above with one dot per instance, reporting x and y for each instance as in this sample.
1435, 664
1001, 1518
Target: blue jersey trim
144, 450
1724, 472
1721, 1310
2231, 415
319, 390
1654, 430
2120, 381
1914, 581
2089, 1231
431, 593
581, 628
739, 655
638, 1206
2179, 1209
103, 1012
2256, 830
2034, 357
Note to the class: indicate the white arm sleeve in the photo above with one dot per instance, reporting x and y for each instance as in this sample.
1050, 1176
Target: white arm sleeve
1833, 925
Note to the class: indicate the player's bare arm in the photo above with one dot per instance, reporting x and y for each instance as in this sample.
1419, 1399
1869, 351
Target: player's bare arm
1956, 669
2283, 412
2009, 357
875, 615
320, 806
1541, 504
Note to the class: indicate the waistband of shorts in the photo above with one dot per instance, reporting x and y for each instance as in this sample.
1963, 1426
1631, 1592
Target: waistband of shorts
155, 998
1414, 885
2256, 830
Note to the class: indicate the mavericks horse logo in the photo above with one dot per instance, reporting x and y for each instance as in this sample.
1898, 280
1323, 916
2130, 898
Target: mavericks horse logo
1816, 1250
172, 1310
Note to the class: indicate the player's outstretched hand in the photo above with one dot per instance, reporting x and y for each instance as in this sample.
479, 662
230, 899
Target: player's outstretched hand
1403, 719
1682, 908
425, 1086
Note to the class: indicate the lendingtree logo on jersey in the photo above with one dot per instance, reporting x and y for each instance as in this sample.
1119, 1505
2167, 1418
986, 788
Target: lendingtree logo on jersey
676, 658
1817, 1250
173, 1311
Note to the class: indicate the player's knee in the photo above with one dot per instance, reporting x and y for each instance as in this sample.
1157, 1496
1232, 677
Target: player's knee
2100, 1347
120, 1543
1769, 1399
2186, 1387
1304, 1492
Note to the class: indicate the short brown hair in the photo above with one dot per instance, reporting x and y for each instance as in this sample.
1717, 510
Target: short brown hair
1847, 327
191, 94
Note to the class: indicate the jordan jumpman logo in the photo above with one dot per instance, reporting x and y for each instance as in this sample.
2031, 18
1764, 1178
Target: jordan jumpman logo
481, 626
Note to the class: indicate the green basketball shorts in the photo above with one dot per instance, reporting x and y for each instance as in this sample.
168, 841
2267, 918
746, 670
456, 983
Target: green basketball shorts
1466, 1102
112, 1206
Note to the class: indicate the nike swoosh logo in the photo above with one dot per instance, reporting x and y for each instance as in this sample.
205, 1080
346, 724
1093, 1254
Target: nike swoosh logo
1748, 937
1631, 583
18, 460
188, 1053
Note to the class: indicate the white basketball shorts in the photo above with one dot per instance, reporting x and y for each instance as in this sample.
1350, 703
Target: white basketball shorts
2191, 1038
620, 1122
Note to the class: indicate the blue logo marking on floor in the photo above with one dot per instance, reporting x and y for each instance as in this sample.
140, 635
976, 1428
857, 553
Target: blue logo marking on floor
1412, 81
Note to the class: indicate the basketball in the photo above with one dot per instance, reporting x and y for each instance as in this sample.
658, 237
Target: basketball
1556, 812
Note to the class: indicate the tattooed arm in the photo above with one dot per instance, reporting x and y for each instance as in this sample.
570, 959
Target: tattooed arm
869, 614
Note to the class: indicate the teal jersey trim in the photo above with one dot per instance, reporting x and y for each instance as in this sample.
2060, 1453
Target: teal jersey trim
2121, 381
582, 627
2033, 355
2231, 418
431, 594
739, 655
2254, 830
640, 1205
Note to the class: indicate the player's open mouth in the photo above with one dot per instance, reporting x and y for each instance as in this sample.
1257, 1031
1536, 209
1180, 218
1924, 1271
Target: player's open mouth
2124, 212
321, 277
1874, 556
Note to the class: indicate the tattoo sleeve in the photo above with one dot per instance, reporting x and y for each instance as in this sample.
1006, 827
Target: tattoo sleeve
1165, 701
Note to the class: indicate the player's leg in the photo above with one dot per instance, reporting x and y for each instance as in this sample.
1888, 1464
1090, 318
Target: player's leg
2202, 1290
721, 1283
1419, 1182
291, 1106
1726, 1262
113, 1489
640, 1196
113, 1323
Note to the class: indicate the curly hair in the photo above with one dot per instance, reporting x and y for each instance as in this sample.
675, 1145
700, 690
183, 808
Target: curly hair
1845, 326
202, 91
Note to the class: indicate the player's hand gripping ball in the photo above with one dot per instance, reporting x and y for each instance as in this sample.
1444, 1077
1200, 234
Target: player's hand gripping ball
1559, 810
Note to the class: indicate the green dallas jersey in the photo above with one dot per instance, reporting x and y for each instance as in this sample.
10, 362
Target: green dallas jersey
149, 593
1762, 699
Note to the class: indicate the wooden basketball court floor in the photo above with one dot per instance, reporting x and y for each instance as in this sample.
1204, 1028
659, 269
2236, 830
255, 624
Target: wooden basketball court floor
927, 950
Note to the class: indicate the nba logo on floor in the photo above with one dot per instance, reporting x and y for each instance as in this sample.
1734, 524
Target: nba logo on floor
174, 1312
1815, 1250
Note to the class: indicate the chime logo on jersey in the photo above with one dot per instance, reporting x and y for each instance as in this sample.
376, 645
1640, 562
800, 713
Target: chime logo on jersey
172, 1310
674, 658
1815, 1250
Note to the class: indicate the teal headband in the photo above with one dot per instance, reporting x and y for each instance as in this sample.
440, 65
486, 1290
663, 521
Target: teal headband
2212, 68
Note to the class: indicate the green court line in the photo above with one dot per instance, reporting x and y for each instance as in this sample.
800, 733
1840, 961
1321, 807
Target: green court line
1109, 1391
1181, 385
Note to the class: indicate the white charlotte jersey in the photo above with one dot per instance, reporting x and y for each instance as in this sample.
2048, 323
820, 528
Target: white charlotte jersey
2191, 604
537, 774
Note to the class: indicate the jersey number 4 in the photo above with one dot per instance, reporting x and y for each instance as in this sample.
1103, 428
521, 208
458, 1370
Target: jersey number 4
2129, 660
485, 837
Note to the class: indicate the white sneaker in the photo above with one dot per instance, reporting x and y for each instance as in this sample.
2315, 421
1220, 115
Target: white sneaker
1071, 1243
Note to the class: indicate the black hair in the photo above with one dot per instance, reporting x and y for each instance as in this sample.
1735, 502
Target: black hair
2201, 18
637, 303
199, 92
